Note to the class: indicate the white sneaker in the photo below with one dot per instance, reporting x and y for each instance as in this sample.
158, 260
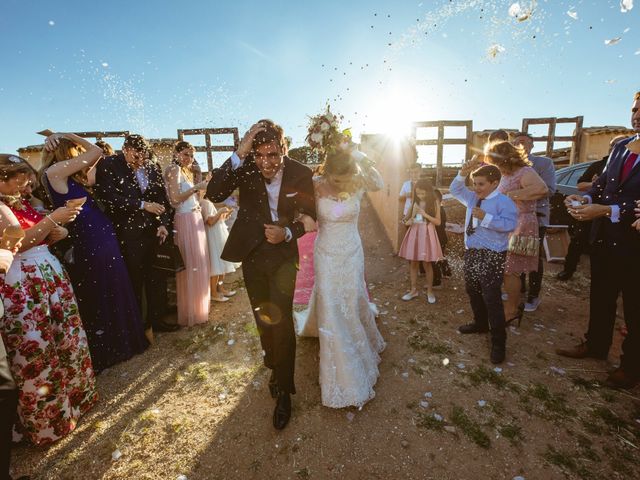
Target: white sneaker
409, 296
533, 305
431, 298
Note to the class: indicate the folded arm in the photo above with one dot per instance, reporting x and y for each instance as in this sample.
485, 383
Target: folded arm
532, 187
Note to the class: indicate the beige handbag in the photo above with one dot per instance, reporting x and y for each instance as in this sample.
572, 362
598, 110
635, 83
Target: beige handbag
524, 245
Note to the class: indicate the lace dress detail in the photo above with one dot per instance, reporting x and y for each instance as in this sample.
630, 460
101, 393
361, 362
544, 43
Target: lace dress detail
339, 312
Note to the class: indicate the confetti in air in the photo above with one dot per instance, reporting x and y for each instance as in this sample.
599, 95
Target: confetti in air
626, 5
573, 14
51, 23
612, 41
514, 9
495, 50
519, 13
105, 64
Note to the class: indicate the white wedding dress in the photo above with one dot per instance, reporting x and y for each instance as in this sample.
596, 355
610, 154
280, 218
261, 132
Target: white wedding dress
339, 312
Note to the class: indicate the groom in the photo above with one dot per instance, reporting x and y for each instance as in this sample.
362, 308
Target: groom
273, 189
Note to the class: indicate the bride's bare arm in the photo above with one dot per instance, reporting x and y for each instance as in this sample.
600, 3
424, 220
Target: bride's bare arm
308, 222
370, 177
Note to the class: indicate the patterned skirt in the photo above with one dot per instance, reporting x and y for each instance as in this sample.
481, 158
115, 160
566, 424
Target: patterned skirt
46, 347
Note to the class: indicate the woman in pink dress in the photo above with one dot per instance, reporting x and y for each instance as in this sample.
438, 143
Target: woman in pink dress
522, 184
305, 277
192, 284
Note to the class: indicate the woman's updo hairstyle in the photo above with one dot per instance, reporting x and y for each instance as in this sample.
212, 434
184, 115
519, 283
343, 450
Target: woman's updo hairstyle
339, 162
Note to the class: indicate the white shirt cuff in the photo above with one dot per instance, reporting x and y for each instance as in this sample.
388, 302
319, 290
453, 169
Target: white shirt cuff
615, 213
287, 234
141, 205
235, 161
486, 220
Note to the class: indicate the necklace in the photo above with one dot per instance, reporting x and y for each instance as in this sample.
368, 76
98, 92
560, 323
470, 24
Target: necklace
12, 201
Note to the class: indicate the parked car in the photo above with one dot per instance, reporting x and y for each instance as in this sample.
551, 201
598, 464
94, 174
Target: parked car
566, 182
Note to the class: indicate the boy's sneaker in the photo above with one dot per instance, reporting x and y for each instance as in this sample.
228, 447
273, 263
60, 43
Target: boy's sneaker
532, 305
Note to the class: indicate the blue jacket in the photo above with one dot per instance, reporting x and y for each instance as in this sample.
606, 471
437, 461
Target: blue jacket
501, 217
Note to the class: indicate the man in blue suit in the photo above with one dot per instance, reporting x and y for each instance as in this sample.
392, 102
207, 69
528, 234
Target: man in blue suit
615, 259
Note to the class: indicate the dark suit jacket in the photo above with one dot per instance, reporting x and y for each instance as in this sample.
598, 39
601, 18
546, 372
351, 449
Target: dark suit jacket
118, 188
247, 233
608, 190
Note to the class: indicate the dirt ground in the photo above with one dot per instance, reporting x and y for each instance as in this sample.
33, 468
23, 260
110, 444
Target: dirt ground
196, 405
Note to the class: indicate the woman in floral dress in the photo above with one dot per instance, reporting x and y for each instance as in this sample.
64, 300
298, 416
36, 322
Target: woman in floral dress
42, 331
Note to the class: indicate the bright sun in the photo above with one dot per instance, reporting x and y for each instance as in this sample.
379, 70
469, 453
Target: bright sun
393, 114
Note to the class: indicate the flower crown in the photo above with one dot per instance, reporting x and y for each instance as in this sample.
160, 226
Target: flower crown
324, 135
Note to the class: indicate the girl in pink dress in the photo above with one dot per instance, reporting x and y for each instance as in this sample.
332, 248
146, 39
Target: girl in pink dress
421, 242
192, 284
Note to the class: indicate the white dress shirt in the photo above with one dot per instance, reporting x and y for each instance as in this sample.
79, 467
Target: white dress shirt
273, 191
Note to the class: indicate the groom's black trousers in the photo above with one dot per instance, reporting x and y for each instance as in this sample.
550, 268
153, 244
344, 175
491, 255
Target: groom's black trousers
270, 281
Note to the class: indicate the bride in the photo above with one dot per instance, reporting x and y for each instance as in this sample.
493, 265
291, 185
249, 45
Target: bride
339, 312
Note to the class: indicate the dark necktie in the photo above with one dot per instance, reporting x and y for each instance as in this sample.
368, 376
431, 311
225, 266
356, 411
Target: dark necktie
628, 166
470, 228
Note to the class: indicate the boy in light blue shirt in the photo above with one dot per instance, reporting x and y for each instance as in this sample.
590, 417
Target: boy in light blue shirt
490, 217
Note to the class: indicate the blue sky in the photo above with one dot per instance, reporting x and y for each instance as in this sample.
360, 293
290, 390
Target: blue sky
153, 67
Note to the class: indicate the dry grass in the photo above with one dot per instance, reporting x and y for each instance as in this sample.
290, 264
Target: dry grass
196, 405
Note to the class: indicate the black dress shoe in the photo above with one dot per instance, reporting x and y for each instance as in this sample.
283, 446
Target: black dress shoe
472, 328
273, 385
497, 354
564, 275
282, 412
163, 326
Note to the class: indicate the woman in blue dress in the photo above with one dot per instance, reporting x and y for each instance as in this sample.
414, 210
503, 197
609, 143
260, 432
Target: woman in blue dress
108, 306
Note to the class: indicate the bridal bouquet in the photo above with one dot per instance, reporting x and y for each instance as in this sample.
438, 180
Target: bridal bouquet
324, 133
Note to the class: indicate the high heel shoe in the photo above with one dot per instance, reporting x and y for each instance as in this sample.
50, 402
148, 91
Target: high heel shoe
518, 317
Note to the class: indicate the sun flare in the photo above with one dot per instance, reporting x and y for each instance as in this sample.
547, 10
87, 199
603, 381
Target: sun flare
394, 113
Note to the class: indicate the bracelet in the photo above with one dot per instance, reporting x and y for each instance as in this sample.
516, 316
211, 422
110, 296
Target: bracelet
52, 220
